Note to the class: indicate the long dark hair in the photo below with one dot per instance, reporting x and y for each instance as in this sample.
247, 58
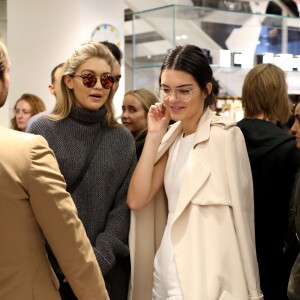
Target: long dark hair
190, 59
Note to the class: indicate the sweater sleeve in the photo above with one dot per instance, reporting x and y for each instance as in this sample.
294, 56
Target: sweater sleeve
113, 241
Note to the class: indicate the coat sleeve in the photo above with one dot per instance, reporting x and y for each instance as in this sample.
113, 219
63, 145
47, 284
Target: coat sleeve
56, 214
241, 190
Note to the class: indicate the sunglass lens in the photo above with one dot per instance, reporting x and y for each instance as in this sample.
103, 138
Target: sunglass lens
89, 80
107, 81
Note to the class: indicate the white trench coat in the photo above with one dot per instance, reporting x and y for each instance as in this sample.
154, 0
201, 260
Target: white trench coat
213, 229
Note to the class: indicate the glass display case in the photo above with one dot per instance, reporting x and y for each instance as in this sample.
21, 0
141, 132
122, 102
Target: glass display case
233, 42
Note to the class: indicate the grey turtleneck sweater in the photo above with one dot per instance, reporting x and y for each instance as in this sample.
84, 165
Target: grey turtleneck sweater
100, 197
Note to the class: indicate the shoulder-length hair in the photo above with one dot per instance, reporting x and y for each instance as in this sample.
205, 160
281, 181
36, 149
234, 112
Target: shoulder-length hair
145, 97
66, 97
190, 59
265, 92
36, 104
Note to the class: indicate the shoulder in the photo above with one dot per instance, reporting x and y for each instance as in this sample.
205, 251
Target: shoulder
120, 139
41, 125
225, 126
222, 122
122, 132
33, 119
13, 140
224, 131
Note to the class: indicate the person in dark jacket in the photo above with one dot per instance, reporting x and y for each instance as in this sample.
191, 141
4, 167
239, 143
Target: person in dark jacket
274, 161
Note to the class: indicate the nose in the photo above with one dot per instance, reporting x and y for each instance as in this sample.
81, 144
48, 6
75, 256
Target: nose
294, 128
173, 96
19, 115
98, 83
124, 114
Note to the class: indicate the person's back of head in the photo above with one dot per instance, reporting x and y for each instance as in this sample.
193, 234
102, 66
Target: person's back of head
265, 93
115, 50
118, 55
4, 78
54, 71
55, 76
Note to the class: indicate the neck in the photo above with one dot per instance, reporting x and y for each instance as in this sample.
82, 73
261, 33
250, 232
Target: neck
190, 126
262, 116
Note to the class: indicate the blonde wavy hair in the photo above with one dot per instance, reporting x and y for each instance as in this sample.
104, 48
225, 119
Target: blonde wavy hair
65, 96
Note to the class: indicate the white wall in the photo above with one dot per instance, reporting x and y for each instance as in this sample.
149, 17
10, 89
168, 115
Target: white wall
41, 34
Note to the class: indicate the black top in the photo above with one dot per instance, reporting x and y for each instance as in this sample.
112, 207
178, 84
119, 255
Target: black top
139, 144
274, 161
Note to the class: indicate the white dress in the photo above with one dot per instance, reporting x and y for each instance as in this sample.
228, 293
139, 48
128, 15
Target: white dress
166, 285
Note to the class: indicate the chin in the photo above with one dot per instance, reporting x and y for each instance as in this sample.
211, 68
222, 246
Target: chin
127, 127
93, 107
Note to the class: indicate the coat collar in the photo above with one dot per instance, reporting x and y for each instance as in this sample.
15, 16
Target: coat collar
207, 120
196, 166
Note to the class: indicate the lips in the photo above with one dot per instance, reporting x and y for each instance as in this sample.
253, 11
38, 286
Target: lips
176, 108
96, 96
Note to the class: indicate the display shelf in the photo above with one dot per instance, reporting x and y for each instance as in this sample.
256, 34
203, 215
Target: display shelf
250, 35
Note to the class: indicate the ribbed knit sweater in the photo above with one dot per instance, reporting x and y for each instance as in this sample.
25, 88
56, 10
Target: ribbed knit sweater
100, 197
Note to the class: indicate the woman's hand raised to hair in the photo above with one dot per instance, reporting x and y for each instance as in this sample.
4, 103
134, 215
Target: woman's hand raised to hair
158, 119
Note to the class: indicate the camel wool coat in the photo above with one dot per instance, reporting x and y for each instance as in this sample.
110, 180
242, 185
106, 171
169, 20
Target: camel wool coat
34, 204
213, 229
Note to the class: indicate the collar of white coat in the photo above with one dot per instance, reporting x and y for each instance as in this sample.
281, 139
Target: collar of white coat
207, 120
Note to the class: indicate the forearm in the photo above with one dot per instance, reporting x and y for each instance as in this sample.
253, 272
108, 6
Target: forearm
140, 189
112, 242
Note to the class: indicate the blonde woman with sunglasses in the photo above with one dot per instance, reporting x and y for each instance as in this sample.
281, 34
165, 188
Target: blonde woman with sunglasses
84, 106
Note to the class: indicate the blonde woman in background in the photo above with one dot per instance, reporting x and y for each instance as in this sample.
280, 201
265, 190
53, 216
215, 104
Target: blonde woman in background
26, 106
135, 108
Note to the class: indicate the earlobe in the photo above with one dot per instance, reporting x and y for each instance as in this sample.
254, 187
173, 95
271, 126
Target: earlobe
51, 89
209, 87
68, 80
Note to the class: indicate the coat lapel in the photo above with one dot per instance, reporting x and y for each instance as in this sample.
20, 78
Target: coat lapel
196, 171
168, 139
195, 176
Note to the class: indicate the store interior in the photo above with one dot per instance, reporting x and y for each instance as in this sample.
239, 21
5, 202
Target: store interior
235, 35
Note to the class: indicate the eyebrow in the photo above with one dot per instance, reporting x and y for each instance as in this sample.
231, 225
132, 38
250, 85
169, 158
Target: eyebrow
179, 86
92, 71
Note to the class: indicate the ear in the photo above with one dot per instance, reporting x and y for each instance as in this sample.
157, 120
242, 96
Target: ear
68, 80
209, 87
51, 89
